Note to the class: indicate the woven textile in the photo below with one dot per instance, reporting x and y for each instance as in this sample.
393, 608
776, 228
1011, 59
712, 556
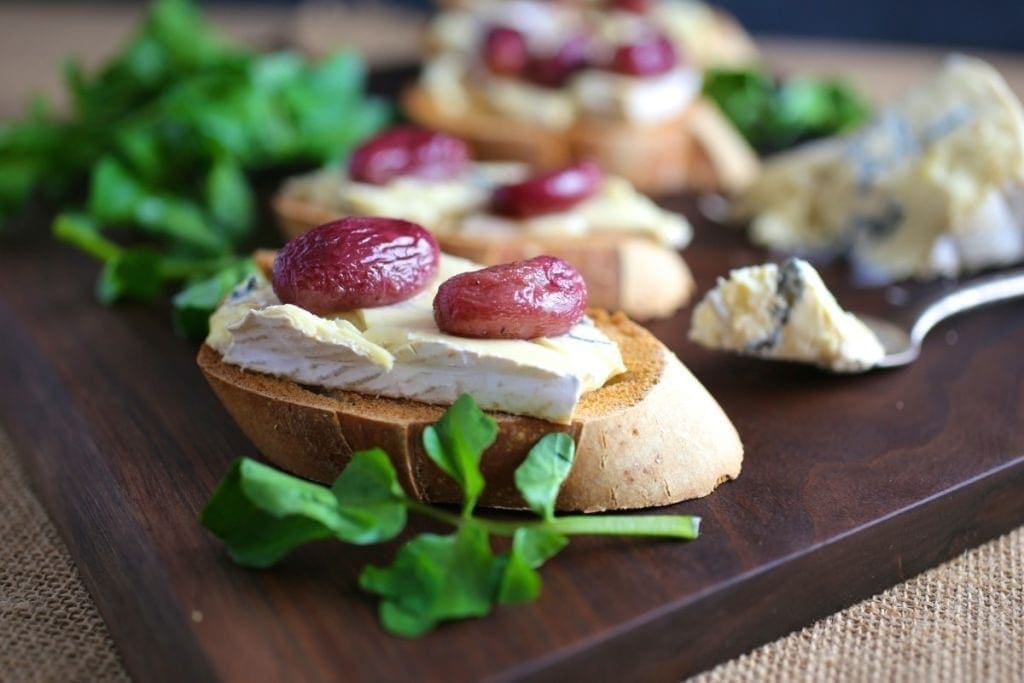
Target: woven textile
50, 629
963, 621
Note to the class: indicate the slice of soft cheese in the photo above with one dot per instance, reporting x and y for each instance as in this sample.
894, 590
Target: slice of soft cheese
784, 312
397, 351
928, 188
431, 203
644, 100
616, 207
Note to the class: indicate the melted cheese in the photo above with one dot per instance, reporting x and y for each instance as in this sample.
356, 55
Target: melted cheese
784, 312
397, 351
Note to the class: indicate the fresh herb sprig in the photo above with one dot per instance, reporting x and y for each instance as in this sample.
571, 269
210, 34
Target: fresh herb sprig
262, 514
165, 138
774, 114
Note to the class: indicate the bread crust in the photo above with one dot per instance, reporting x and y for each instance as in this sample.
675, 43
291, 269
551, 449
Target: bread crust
623, 272
652, 436
657, 158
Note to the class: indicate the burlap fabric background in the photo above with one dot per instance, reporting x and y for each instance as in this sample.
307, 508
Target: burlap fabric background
963, 621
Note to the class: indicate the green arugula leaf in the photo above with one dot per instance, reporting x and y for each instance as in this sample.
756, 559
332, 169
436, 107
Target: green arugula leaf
434, 578
542, 473
456, 443
194, 304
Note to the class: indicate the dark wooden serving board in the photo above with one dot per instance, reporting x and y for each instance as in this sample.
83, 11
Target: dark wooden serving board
850, 485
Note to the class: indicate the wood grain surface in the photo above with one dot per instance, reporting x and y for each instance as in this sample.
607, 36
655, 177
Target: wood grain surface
850, 485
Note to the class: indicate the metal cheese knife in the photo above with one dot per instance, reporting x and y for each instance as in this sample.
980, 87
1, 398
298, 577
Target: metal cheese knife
902, 347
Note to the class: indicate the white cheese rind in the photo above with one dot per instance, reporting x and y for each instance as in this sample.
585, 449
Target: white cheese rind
784, 312
397, 351
924, 190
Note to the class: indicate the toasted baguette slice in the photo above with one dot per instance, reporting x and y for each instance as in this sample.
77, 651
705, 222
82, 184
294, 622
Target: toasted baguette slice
626, 273
652, 436
697, 150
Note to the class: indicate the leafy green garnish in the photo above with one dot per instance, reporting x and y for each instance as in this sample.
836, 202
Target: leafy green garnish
262, 513
773, 115
456, 443
194, 303
165, 137
542, 473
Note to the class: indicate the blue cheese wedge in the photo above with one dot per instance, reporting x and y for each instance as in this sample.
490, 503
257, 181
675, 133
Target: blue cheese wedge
397, 351
784, 312
933, 186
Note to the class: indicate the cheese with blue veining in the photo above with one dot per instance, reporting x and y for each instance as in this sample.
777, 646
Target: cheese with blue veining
784, 312
932, 186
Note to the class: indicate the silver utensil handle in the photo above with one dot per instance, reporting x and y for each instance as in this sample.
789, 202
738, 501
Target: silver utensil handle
986, 290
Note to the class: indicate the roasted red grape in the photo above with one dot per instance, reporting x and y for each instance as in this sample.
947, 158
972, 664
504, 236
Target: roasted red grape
552, 71
541, 297
636, 6
355, 262
504, 51
408, 151
649, 56
547, 192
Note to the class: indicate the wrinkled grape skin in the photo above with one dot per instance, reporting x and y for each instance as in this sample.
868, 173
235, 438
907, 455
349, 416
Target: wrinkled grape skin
541, 297
650, 56
504, 51
408, 151
355, 262
547, 192
552, 71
